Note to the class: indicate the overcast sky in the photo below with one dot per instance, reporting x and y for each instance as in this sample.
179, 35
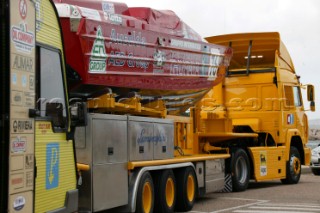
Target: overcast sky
297, 21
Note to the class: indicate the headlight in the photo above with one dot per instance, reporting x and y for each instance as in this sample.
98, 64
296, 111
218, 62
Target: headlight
314, 152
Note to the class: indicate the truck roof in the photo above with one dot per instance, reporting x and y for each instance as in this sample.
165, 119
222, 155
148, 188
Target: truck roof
267, 50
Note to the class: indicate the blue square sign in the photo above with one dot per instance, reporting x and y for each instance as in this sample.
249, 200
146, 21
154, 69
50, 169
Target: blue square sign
52, 165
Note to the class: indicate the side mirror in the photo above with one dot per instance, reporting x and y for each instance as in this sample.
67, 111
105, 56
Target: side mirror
310, 94
312, 106
55, 112
79, 114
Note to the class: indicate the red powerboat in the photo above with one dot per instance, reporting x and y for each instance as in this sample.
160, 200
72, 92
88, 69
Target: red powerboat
112, 48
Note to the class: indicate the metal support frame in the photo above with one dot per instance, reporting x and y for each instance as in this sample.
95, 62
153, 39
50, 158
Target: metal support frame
249, 56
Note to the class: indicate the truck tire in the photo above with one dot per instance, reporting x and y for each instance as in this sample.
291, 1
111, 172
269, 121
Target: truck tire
145, 194
293, 168
186, 189
165, 191
240, 170
316, 171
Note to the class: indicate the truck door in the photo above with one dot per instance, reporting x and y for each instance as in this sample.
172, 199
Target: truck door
294, 118
37, 171
55, 162
55, 183
17, 97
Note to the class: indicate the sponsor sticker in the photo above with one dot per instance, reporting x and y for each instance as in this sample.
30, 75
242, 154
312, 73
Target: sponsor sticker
24, 80
39, 14
14, 78
17, 98
23, 8
29, 99
98, 57
29, 179
136, 38
22, 126
44, 127
185, 44
29, 161
19, 144
74, 12
31, 82
23, 63
17, 181
52, 165
19, 203
114, 18
108, 7
159, 58
90, 13
22, 39
146, 136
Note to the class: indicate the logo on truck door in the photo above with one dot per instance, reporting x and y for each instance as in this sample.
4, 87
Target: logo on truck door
290, 119
52, 165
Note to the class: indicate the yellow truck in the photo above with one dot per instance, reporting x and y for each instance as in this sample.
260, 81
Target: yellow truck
104, 108
257, 112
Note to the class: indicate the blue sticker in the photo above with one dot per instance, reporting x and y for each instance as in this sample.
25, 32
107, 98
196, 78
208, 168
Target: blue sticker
24, 81
52, 163
14, 78
290, 119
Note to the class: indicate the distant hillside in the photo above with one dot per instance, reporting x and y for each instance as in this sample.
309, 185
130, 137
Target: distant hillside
314, 129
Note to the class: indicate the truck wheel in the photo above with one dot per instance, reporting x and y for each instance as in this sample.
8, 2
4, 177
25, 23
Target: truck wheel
293, 167
186, 189
165, 191
240, 170
145, 196
316, 171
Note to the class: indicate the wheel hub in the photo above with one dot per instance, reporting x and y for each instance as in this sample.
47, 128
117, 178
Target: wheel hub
147, 197
170, 192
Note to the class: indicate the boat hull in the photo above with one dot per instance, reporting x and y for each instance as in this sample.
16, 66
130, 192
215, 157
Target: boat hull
122, 54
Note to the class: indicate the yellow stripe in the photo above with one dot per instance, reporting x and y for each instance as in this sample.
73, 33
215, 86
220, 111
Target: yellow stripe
180, 159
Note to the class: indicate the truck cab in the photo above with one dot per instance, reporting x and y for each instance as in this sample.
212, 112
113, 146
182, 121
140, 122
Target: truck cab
259, 107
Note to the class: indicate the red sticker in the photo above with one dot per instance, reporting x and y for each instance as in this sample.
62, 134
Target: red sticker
23, 9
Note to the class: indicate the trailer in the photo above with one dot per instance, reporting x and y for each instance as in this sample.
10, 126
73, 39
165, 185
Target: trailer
94, 126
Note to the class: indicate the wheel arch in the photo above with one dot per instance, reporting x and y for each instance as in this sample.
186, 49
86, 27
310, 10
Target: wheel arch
297, 143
